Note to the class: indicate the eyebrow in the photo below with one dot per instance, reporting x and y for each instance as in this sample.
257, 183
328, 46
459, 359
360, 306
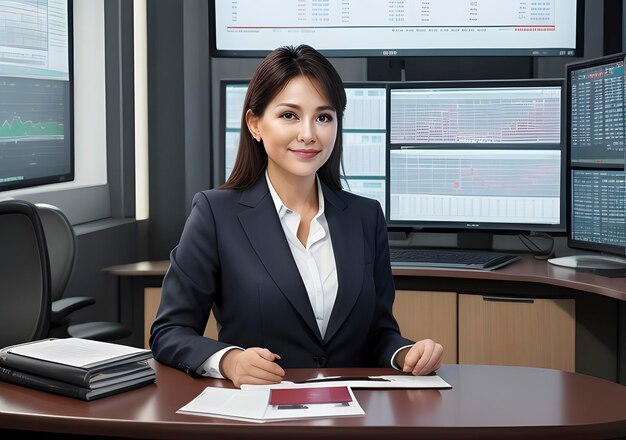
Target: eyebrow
320, 108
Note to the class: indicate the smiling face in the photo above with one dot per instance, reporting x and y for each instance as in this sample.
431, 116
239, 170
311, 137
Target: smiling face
298, 130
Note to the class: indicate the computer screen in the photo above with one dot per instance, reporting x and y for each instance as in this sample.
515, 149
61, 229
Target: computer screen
364, 134
595, 135
36, 143
373, 28
476, 155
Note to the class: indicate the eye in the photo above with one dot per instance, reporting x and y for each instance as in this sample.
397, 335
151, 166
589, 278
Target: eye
325, 118
288, 116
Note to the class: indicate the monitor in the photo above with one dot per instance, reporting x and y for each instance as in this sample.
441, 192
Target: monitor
372, 28
364, 134
483, 156
36, 142
595, 163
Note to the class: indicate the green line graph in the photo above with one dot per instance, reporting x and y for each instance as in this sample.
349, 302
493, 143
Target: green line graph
21, 129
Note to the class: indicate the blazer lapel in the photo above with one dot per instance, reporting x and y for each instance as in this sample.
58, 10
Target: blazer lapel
262, 226
347, 237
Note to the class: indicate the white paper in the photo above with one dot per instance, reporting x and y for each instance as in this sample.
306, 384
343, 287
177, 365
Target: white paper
252, 405
77, 352
394, 381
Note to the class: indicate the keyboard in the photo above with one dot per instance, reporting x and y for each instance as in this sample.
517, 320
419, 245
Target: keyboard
450, 258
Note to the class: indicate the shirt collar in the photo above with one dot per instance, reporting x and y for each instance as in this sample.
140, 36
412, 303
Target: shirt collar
281, 209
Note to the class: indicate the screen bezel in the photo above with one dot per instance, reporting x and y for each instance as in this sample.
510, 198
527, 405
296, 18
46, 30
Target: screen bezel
569, 68
355, 53
460, 226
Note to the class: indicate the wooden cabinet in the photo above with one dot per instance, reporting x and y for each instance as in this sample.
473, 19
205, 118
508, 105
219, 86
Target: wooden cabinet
422, 314
495, 330
517, 331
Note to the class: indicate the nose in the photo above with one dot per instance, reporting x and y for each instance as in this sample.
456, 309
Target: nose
307, 133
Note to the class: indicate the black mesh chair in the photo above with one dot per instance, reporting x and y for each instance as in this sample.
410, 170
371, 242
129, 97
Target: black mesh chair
61, 244
24, 275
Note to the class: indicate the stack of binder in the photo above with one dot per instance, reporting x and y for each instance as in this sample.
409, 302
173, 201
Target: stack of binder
75, 367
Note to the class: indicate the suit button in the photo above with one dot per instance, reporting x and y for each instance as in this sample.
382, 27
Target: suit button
320, 361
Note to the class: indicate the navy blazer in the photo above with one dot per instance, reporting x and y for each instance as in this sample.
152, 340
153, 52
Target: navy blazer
233, 258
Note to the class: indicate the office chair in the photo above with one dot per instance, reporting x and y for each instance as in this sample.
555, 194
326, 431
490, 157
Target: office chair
24, 275
61, 243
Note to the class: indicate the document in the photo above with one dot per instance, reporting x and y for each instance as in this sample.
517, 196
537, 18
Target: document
406, 381
254, 405
77, 352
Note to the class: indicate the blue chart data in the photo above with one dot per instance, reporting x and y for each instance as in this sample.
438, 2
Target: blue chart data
476, 155
599, 207
233, 99
33, 129
34, 39
397, 27
476, 186
364, 137
597, 114
35, 103
492, 116
596, 135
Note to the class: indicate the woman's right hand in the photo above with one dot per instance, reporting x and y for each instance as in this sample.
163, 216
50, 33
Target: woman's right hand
253, 366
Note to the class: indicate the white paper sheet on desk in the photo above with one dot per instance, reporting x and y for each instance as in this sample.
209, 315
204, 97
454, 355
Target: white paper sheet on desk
251, 405
392, 381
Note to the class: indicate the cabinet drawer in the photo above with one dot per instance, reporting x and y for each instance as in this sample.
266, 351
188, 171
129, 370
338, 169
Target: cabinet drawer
517, 331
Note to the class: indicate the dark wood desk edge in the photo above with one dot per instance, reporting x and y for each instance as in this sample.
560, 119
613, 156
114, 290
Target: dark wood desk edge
199, 427
73, 428
527, 270
139, 269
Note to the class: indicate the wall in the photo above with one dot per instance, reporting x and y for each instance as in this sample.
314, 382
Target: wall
114, 239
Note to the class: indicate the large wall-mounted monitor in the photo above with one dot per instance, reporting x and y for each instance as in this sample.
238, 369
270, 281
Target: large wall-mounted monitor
597, 186
364, 134
373, 28
476, 156
36, 142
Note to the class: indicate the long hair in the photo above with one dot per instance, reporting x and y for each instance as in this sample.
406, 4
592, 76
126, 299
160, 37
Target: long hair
271, 77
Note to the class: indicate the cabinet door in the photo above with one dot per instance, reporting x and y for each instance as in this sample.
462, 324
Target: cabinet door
423, 314
517, 331
151, 299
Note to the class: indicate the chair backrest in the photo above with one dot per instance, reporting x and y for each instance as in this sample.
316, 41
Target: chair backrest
25, 296
61, 241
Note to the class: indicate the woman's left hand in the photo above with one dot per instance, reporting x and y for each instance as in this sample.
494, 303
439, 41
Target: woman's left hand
422, 358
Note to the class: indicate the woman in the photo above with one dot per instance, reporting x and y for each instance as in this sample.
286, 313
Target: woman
296, 270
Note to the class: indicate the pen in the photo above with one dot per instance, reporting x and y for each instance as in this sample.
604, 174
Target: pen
344, 378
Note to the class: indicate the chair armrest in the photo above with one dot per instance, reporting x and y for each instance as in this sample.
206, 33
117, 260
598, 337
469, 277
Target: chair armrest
61, 308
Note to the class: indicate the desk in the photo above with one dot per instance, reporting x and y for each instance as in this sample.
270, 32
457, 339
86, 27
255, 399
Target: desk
597, 328
486, 402
549, 279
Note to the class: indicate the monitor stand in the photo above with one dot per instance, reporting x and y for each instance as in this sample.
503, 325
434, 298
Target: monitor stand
605, 265
474, 240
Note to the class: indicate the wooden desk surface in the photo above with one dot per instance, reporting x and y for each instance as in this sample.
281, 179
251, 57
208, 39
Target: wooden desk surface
485, 402
527, 270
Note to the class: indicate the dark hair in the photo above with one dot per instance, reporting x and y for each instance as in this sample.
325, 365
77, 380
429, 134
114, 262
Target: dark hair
272, 75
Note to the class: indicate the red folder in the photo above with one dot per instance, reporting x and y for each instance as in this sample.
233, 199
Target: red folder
297, 396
